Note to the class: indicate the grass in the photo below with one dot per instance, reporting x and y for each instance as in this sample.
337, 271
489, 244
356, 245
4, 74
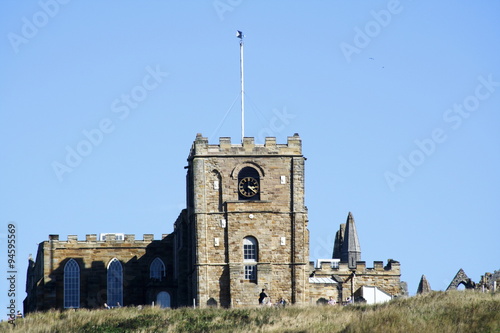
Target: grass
460, 311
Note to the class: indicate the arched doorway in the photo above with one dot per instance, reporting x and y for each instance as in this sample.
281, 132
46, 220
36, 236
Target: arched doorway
163, 299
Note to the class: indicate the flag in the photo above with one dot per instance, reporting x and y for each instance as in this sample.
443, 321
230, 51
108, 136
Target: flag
239, 34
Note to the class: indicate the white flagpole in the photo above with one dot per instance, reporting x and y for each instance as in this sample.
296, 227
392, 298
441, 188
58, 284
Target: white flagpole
240, 35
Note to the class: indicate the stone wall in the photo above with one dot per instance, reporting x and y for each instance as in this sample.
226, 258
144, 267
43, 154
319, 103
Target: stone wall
93, 257
204, 256
321, 292
490, 281
220, 221
386, 278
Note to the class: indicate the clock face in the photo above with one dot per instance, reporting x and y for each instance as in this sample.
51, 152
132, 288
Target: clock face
248, 187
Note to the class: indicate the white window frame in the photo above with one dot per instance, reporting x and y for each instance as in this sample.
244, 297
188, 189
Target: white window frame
250, 258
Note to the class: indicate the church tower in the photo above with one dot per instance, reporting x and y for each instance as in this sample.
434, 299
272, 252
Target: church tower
247, 222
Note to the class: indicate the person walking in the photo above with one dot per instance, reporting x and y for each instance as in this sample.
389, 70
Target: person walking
262, 296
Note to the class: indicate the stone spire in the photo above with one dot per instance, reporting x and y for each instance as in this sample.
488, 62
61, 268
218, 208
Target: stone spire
351, 251
424, 286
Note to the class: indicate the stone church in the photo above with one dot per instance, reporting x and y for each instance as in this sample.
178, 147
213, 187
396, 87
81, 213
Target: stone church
244, 230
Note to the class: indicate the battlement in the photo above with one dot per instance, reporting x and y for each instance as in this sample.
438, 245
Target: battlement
247, 147
333, 266
386, 278
106, 238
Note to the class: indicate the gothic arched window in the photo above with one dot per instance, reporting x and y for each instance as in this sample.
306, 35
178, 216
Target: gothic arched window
71, 284
157, 269
115, 283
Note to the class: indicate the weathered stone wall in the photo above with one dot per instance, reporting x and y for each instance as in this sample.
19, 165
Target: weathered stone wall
93, 257
204, 255
489, 281
461, 278
386, 278
321, 292
220, 221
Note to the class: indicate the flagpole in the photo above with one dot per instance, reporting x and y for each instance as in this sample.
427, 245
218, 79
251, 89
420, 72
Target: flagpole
239, 34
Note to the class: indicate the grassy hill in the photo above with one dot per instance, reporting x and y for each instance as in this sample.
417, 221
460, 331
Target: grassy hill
460, 311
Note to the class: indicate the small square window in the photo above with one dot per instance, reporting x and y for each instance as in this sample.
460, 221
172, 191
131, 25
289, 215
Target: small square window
251, 272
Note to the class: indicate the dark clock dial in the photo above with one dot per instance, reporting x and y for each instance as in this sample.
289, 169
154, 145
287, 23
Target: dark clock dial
248, 187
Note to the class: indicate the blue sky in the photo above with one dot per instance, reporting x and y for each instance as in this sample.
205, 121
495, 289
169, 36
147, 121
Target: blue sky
396, 103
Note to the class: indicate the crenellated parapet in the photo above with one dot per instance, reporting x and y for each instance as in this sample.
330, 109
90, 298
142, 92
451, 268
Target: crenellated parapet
247, 147
334, 266
385, 277
105, 238
98, 248
245, 192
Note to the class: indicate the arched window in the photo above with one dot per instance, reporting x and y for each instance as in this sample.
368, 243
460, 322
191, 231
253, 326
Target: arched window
115, 283
163, 299
249, 249
248, 184
250, 257
71, 284
157, 269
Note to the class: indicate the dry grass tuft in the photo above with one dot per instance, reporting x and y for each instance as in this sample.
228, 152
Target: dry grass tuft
461, 311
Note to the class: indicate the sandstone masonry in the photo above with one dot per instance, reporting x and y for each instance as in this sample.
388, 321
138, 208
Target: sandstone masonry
45, 277
244, 229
